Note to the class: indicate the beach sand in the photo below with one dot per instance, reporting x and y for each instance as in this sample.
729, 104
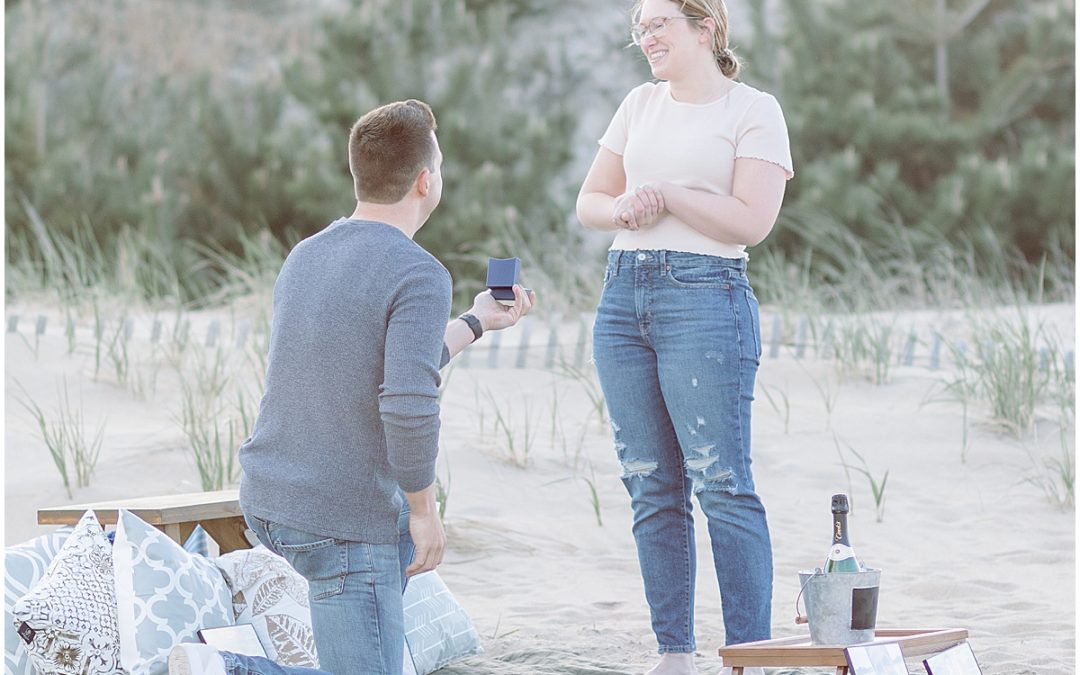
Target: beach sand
541, 555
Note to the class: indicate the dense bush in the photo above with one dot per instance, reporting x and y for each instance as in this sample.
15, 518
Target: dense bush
199, 156
503, 105
899, 142
193, 149
177, 155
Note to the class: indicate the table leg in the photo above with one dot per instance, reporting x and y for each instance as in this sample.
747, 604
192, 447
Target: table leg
736, 670
841, 670
172, 531
228, 533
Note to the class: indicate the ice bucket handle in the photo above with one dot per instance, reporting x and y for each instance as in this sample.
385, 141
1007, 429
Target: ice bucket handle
801, 618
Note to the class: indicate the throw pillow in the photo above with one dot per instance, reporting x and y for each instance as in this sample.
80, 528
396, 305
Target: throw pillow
269, 594
68, 619
164, 595
24, 565
437, 629
199, 542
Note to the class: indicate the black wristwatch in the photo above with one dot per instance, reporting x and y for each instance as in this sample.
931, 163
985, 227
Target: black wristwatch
474, 325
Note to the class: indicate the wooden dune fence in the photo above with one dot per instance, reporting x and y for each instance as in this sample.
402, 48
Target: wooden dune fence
555, 342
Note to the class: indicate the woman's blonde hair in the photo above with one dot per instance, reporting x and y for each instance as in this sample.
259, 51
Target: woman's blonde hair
716, 10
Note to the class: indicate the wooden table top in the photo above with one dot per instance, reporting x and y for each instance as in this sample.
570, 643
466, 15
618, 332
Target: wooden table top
158, 510
798, 651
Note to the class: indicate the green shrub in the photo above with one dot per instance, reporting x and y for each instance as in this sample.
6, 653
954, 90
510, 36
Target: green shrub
888, 139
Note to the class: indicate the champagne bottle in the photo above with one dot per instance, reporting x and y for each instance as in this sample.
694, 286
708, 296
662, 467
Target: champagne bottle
841, 555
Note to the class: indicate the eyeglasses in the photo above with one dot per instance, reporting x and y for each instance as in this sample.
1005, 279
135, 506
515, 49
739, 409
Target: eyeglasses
654, 27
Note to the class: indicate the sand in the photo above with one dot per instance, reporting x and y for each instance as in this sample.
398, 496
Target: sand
967, 538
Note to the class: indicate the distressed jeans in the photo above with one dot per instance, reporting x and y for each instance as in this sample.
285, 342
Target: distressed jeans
355, 591
677, 344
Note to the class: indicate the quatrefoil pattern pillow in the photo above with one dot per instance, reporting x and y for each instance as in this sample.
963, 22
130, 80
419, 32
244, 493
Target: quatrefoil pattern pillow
164, 595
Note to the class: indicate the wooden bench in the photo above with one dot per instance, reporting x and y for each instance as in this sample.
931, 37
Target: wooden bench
175, 515
798, 651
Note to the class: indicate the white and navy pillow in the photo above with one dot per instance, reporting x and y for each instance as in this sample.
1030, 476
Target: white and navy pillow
68, 620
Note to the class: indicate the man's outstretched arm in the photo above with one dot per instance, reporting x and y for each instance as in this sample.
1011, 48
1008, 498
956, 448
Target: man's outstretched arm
492, 316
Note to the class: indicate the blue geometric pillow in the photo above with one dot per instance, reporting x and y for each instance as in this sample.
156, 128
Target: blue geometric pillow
164, 595
198, 542
437, 629
24, 565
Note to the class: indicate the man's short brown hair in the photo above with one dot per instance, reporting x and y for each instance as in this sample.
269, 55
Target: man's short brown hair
388, 147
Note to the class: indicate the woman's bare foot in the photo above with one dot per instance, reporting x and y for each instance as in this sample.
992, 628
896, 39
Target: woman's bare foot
674, 664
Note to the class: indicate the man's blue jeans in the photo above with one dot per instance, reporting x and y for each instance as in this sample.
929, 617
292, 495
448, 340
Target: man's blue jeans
677, 345
355, 593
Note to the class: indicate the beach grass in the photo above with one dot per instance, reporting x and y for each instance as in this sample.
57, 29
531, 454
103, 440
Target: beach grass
514, 443
780, 405
74, 453
844, 308
876, 482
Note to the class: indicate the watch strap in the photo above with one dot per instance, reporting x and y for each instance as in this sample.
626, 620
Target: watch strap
474, 325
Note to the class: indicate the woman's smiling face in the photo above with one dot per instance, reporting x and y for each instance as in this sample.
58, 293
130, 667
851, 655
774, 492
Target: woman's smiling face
667, 37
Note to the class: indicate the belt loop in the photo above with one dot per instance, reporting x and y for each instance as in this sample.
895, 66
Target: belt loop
661, 259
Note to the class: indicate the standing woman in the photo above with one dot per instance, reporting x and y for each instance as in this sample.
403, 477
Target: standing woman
690, 172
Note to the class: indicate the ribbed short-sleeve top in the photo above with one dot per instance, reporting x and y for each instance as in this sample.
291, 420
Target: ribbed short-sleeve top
695, 146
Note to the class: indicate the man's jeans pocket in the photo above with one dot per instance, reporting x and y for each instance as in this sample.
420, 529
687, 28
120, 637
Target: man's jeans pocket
323, 561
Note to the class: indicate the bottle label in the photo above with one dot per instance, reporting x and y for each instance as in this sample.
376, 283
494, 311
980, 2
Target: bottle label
840, 552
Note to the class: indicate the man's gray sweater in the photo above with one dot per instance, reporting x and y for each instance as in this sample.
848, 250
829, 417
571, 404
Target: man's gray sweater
351, 410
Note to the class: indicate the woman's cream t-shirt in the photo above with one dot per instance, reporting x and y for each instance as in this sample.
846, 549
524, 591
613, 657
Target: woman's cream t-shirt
695, 146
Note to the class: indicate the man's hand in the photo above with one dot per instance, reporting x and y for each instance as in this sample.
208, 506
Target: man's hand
426, 531
495, 316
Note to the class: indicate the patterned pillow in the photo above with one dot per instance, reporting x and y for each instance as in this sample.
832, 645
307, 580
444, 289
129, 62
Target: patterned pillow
68, 619
199, 542
24, 565
163, 595
269, 594
437, 629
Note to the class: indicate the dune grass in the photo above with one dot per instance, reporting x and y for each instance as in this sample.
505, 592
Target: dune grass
74, 453
876, 482
845, 306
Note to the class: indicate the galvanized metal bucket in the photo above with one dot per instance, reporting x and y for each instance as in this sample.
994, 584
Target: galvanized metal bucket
841, 607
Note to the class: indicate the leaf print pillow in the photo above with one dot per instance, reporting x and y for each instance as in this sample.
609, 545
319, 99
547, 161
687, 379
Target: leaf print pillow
272, 597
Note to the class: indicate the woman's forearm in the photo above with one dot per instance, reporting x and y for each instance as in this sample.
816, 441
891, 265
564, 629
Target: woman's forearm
594, 210
724, 218
744, 217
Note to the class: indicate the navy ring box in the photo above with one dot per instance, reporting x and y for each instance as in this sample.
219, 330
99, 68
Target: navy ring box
501, 276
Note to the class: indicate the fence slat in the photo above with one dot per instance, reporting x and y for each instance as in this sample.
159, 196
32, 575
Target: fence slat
774, 339
909, 349
523, 346
800, 338
493, 353
553, 340
212, 333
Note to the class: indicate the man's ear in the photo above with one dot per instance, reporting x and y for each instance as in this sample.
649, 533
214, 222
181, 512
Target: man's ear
423, 182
